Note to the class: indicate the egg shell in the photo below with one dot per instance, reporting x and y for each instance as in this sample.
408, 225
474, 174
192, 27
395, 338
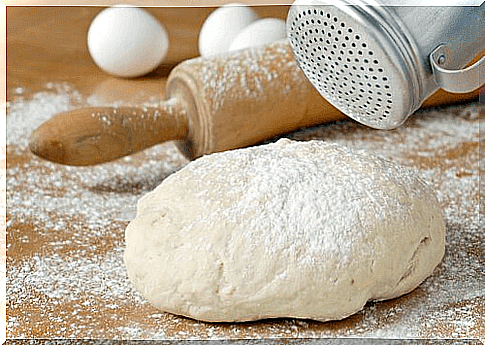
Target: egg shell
260, 32
222, 26
127, 41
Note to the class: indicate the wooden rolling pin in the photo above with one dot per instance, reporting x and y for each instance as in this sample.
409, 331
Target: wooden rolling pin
213, 104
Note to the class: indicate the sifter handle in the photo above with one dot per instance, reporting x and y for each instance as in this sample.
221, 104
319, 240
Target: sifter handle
456, 80
94, 135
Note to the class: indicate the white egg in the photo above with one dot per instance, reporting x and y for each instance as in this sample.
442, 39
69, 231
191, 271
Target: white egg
127, 41
222, 26
261, 32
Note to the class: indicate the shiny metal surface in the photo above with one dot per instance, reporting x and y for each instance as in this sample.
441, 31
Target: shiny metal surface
372, 62
456, 80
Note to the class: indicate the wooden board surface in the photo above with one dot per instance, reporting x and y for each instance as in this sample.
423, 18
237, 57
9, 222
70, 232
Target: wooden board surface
48, 44
66, 225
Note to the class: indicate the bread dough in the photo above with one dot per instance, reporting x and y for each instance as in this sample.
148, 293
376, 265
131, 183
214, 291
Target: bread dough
291, 229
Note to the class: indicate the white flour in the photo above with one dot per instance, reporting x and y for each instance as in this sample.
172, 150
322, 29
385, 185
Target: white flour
91, 206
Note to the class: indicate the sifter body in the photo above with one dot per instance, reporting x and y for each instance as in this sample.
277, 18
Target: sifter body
378, 64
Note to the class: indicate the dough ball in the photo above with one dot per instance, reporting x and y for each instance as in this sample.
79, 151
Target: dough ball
291, 229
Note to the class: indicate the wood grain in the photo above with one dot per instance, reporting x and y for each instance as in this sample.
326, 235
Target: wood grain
48, 44
95, 135
72, 234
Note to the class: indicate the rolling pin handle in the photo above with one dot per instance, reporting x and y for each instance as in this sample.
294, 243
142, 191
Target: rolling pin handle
95, 135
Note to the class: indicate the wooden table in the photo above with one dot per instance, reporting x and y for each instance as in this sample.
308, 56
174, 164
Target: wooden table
65, 225
47, 44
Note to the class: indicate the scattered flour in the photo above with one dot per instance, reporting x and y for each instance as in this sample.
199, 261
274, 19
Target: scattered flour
63, 219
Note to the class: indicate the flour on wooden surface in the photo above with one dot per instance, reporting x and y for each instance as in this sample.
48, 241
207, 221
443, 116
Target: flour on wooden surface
90, 208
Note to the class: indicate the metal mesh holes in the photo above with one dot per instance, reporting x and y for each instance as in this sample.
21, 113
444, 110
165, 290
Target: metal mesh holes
341, 64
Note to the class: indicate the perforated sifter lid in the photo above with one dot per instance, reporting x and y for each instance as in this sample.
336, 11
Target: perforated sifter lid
358, 58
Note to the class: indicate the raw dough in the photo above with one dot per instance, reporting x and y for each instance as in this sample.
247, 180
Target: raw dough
291, 229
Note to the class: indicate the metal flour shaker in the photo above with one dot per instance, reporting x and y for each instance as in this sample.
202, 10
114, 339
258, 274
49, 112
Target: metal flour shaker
378, 63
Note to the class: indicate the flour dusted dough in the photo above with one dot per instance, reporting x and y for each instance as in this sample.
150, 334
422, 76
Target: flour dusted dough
291, 229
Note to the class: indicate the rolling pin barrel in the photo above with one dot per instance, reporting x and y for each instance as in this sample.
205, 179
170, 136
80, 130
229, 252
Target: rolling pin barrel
241, 98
